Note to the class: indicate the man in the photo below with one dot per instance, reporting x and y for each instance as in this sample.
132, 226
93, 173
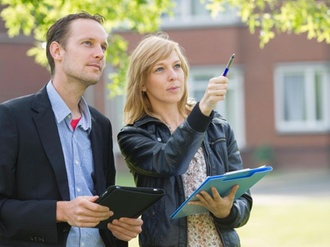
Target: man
56, 151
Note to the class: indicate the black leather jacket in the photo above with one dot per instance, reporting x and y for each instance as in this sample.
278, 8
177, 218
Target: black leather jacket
158, 159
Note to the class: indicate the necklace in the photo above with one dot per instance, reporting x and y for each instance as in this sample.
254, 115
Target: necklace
168, 126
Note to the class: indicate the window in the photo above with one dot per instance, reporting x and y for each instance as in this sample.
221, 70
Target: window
302, 98
232, 108
194, 13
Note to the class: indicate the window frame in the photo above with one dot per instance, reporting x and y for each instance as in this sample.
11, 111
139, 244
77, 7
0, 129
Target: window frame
311, 124
236, 87
186, 18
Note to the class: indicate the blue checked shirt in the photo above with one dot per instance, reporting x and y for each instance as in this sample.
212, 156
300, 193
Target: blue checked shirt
78, 157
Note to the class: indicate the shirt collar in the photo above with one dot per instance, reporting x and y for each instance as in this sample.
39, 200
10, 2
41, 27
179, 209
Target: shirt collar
62, 111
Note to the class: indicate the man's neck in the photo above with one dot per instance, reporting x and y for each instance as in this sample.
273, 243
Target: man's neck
71, 93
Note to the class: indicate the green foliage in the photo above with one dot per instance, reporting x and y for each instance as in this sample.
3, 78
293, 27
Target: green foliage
270, 16
34, 17
264, 155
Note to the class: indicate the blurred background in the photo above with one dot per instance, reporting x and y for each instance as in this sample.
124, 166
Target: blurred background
278, 101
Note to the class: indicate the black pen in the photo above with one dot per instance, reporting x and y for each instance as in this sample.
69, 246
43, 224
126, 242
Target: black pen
228, 65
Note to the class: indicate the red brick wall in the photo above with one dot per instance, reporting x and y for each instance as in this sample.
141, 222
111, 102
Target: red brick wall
214, 46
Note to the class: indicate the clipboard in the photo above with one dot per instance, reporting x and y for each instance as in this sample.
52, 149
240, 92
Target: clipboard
245, 178
128, 202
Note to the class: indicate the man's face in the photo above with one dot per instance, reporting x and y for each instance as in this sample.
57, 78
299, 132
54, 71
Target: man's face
83, 57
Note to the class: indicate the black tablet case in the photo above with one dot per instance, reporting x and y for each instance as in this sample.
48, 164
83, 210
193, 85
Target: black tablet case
128, 202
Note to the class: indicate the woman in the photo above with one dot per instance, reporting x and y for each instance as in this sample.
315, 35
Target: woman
173, 143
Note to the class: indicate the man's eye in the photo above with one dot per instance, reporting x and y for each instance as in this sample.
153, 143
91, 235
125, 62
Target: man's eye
87, 43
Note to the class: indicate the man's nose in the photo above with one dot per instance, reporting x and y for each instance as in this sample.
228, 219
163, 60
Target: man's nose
99, 52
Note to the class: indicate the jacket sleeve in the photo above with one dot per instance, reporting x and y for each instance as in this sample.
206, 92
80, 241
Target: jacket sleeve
33, 217
152, 152
241, 209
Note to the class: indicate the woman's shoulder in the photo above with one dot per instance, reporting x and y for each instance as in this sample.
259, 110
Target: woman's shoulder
218, 118
141, 124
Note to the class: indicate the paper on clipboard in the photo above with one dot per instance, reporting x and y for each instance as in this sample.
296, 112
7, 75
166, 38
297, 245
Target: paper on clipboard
245, 178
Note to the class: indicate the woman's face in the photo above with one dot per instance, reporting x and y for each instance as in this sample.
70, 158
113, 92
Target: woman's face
165, 83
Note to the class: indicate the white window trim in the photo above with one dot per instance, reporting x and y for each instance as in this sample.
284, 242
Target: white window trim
284, 127
186, 19
237, 86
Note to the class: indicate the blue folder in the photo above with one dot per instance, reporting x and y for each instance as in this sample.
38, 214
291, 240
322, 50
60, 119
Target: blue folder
245, 178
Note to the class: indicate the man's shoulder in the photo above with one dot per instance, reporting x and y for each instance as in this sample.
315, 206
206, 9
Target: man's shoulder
25, 100
96, 112
20, 101
97, 115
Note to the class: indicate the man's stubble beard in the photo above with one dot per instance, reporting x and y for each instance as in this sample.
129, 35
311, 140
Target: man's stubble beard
86, 79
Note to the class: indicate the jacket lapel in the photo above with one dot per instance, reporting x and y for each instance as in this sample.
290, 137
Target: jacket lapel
97, 149
48, 132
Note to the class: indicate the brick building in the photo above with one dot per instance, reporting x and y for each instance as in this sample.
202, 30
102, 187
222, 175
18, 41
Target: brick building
279, 97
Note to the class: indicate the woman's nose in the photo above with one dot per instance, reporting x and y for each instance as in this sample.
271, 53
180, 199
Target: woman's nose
172, 74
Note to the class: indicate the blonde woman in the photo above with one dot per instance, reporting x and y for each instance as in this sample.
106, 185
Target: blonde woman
172, 142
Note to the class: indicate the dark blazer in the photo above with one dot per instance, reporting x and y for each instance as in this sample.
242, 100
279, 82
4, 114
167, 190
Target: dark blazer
33, 174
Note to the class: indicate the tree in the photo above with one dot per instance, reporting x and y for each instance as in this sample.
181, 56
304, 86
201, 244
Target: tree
34, 17
283, 16
268, 17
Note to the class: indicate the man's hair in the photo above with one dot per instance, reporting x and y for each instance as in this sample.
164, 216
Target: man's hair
59, 32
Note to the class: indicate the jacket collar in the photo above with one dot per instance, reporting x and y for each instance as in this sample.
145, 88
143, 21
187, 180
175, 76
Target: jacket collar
46, 126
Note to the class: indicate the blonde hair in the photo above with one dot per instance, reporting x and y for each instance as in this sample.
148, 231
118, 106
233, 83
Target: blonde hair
150, 50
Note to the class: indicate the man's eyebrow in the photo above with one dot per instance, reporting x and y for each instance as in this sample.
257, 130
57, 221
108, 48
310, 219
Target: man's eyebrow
91, 38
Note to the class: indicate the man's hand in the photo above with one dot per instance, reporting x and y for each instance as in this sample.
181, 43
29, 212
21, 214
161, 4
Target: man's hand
82, 212
126, 228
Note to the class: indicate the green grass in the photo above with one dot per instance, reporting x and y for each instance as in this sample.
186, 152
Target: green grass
288, 223
279, 221
125, 179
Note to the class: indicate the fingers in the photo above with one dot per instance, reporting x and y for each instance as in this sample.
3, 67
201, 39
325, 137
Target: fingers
215, 92
233, 192
217, 205
126, 228
83, 212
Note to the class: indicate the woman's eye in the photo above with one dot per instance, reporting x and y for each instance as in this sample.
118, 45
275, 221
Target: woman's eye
159, 69
177, 66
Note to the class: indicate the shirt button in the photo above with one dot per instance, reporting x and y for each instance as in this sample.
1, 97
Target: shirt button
159, 139
76, 162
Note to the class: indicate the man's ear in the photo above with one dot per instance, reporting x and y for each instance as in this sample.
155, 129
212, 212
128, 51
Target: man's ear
55, 50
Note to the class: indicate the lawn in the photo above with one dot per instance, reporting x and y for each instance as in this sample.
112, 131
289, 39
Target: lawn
280, 221
288, 222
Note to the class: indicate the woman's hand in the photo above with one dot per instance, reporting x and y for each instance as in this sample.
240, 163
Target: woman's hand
216, 91
219, 206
